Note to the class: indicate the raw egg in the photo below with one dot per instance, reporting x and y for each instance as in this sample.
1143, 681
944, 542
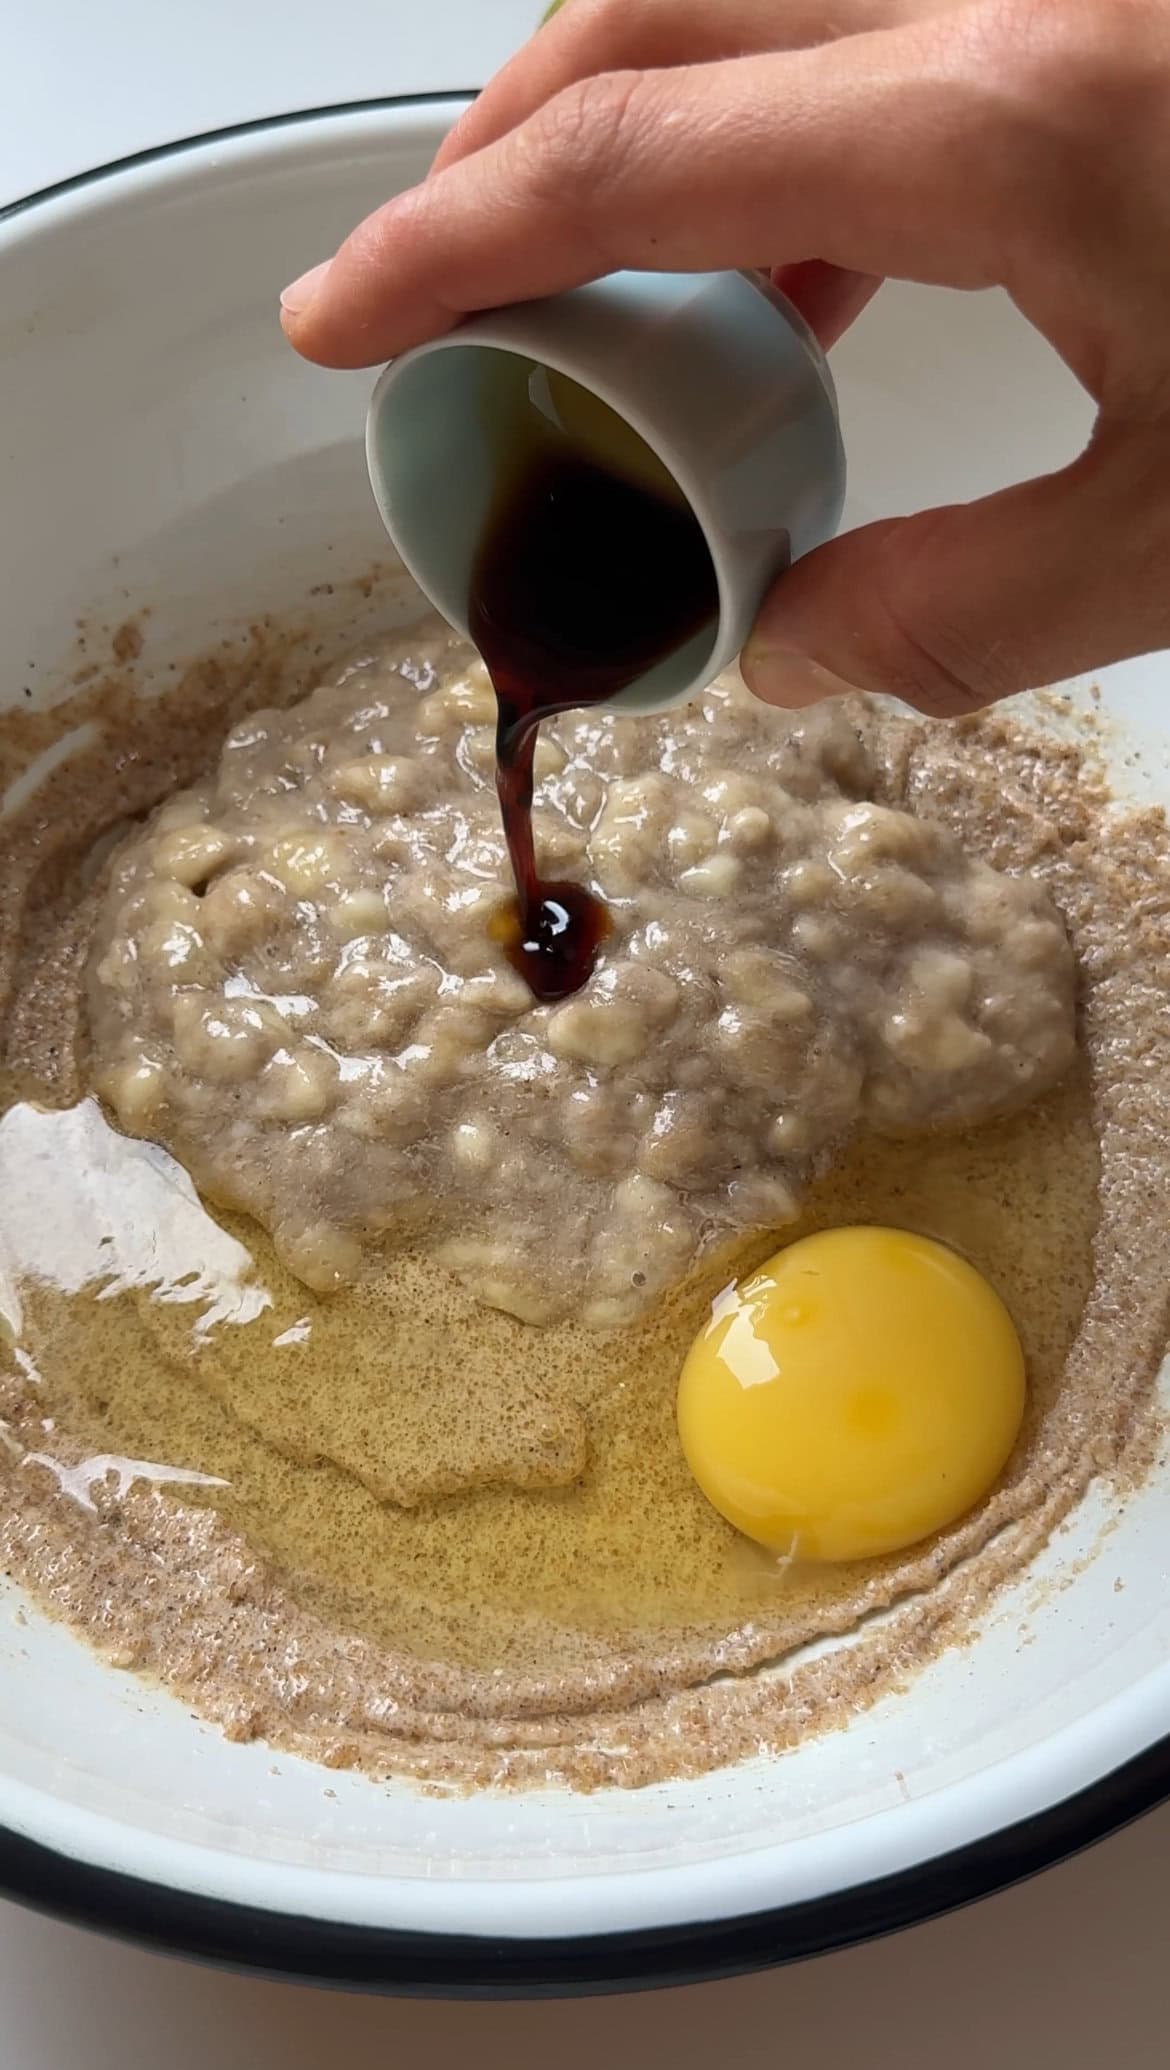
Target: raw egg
861, 1390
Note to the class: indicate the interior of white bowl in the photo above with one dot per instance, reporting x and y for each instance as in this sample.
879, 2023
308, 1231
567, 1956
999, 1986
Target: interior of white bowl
163, 448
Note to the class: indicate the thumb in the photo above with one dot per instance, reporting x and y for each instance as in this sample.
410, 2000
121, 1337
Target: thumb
957, 607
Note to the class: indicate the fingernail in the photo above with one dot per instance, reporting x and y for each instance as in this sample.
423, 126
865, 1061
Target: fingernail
784, 676
303, 292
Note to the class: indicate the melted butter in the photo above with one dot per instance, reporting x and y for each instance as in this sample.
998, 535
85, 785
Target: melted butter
430, 1473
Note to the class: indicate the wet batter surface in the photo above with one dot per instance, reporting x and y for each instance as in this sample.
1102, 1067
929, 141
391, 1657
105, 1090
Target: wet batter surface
397, 1529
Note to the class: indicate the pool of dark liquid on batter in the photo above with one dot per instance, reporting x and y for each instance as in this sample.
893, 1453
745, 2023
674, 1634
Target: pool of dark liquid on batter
585, 579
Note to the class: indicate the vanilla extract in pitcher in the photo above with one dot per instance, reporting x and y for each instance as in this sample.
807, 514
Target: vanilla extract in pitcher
592, 569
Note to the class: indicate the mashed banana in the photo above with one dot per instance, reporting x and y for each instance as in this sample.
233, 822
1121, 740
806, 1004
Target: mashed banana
294, 985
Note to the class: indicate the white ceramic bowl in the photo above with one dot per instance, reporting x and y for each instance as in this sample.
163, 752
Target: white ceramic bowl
160, 444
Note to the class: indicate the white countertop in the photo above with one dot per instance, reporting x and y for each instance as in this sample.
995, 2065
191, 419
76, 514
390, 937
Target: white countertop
1068, 1970
86, 81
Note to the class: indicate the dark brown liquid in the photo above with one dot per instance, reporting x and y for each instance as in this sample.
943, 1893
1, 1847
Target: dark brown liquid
584, 580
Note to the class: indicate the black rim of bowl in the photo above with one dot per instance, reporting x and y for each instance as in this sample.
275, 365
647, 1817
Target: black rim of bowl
459, 1965
374, 1958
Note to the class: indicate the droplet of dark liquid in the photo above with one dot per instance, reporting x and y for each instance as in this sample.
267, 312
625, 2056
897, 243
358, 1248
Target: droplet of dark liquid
587, 576
554, 942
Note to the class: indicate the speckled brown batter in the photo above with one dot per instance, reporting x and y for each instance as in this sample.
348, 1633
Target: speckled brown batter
379, 1567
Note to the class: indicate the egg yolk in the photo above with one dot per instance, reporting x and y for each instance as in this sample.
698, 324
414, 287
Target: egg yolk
861, 1390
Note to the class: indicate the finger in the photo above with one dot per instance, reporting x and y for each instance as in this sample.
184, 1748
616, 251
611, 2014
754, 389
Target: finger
956, 608
828, 298
594, 36
611, 35
872, 154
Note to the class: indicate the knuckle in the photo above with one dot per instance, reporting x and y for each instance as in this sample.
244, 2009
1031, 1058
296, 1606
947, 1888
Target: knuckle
614, 33
1080, 58
582, 139
1062, 106
602, 24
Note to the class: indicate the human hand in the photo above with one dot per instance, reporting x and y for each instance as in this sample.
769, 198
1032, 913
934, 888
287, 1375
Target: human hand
966, 143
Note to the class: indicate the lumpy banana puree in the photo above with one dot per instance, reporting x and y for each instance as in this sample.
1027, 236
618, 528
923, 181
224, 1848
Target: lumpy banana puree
345, 1289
